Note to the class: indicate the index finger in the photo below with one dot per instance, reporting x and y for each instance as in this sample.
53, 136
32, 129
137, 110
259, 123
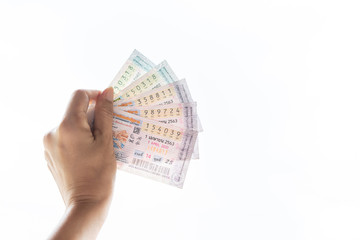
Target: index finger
79, 104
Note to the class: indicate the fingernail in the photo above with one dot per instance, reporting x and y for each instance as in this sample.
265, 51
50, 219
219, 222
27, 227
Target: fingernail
109, 94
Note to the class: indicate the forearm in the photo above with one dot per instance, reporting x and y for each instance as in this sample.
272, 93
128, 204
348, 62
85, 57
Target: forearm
81, 221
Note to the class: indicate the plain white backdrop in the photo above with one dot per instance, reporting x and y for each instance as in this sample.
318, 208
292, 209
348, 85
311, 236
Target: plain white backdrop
277, 86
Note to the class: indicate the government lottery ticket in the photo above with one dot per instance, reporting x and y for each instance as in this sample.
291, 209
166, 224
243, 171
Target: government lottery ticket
159, 76
135, 66
152, 149
182, 115
176, 92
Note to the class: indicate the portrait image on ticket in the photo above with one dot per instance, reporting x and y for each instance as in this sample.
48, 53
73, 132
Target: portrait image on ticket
152, 149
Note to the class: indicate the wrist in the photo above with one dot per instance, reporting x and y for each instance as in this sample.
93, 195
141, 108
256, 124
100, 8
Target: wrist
82, 220
87, 196
98, 207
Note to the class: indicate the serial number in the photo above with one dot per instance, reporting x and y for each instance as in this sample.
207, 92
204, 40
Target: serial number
161, 112
143, 85
155, 97
162, 131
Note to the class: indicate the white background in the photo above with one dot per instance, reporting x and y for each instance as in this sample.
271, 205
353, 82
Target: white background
277, 86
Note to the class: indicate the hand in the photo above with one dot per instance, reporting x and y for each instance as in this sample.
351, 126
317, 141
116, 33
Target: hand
82, 162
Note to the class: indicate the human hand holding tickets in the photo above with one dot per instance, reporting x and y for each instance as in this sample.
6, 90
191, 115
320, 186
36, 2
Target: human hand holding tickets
82, 162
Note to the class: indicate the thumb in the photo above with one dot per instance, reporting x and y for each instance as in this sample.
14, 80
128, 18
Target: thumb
104, 114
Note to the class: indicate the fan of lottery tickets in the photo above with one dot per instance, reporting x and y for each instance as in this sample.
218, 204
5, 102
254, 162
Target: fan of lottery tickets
155, 123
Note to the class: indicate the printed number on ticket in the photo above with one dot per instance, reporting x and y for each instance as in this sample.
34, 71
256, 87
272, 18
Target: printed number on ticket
176, 92
181, 114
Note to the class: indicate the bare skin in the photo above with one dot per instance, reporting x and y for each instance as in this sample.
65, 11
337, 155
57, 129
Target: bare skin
83, 165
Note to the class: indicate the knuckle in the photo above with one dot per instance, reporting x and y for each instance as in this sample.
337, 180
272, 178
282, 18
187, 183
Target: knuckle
74, 118
47, 139
64, 127
78, 92
98, 132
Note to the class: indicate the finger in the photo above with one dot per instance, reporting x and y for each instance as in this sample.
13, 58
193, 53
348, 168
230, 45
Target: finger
90, 114
104, 114
79, 104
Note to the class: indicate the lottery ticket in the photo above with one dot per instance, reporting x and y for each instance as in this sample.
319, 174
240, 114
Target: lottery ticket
182, 115
136, 66
152, 149
161, 75
179, 114
176, 92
